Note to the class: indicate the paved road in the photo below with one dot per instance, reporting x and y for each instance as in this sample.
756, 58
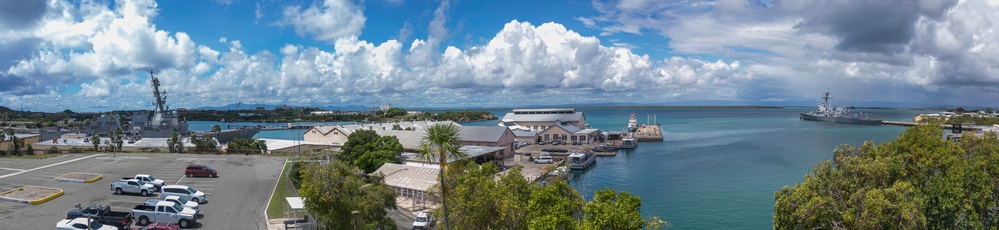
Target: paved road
236, 200
403, 219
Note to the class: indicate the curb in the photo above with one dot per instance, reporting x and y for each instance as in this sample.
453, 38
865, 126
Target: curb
32, 202
99, 177
13, 199
47, 198
91, 180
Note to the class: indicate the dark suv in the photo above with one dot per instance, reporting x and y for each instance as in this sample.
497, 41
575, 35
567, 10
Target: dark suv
200, 170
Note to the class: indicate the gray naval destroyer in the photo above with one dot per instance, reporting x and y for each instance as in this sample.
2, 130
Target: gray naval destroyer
164, 122
161, 123
828, 113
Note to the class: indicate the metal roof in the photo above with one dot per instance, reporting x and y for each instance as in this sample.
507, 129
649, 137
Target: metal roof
525, 134
481, 133
406, 176
276, 144
471, 151
296, 203
513, 117
546, 110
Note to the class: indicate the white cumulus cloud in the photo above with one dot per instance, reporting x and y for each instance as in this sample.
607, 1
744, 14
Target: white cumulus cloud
333, 19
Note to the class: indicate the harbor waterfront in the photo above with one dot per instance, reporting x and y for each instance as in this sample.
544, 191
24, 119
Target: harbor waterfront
717, 168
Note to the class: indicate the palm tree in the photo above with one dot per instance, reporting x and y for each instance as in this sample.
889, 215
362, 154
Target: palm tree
441, 144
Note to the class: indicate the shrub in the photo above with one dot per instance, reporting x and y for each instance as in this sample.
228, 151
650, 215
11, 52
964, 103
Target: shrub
76, 150
52, 150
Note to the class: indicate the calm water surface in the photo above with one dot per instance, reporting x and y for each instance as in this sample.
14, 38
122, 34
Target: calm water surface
717, 168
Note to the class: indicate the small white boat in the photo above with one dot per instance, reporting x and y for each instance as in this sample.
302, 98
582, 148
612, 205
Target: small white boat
629, 143
579, 161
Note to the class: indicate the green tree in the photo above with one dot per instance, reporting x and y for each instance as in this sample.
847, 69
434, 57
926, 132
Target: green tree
3, 137
988, 110
479, 201
216, 128
395, 112
246, 146
917, 181
96, 140
368, 151
333, 190
15, 143
441, 144
613, 210
556, 205
204, 143
175, 144
959, 110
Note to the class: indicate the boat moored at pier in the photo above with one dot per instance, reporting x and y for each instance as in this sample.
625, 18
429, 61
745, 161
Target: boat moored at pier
828, 113
629, 143
580, 161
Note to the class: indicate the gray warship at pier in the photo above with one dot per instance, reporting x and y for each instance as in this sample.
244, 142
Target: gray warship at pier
828, 113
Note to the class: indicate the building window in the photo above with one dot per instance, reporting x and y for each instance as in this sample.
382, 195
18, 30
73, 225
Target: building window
313, 131
546, 137
336, 133
573, 138
563, 137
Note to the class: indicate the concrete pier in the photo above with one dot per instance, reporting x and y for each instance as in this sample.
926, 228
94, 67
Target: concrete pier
649, 133
942, 126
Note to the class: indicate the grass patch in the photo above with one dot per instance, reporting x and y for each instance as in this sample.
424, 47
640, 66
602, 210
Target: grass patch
277, 204
36, 156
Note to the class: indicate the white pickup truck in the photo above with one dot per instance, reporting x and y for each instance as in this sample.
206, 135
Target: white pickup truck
166, 212
147, 179
176, 200
132, 186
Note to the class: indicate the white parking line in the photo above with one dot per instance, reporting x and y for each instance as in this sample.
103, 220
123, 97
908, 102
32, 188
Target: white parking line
50, 165
19, 170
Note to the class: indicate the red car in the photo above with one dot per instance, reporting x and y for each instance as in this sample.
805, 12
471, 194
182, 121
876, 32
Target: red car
157, 226
200, 170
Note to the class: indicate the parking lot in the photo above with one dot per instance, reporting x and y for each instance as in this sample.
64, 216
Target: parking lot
236, 199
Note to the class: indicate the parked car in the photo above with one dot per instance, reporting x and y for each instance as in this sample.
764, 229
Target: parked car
200, 170
185, 192
544, 159
157, 226
424, 221
81, 224
164, 211
541, 143
102, 214
132, 186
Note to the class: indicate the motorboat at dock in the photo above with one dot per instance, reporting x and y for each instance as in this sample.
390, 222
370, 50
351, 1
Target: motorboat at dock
581, 160
629, 143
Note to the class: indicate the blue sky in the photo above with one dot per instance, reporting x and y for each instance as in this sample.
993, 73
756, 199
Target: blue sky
95, 55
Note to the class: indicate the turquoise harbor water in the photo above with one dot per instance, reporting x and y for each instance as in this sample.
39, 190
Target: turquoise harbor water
717, 168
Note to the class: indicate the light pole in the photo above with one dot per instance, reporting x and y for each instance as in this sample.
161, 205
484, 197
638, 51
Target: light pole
354, 213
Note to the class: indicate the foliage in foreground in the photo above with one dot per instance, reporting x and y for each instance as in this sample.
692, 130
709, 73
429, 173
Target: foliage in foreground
918, 181
368, 151
246, 146
333, 190
478, 201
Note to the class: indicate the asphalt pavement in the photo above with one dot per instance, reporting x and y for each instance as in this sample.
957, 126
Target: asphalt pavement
236, 199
